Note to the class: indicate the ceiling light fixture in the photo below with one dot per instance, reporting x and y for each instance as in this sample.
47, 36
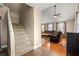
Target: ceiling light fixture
55, 15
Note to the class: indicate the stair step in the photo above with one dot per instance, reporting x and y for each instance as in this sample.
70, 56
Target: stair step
24, 50
19, 32
19, 45
20, 40
18, 27
23, 41
16, 24
20, 36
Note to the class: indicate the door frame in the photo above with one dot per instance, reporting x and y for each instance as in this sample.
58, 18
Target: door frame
1, 34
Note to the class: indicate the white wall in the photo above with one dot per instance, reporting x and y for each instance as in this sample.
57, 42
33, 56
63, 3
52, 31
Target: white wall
67, 11
14, 17
37, 28
27, 20
3, 11
78, 7
70, 25
14, 10
31, 19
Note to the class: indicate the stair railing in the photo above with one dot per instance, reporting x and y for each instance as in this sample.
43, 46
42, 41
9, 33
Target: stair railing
11, 38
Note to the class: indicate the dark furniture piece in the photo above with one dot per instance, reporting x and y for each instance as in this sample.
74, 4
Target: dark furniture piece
56, 38
73, 44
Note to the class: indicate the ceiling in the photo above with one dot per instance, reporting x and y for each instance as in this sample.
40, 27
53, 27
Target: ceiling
66, 10
41, 6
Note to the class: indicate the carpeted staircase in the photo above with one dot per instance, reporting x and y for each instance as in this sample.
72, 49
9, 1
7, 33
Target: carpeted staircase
22, 41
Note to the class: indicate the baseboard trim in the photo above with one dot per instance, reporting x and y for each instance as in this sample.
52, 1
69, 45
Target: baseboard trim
4, 46
37, 46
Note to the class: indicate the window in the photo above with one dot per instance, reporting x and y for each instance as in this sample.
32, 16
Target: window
50, 27
54, 26
42, 28
61, 27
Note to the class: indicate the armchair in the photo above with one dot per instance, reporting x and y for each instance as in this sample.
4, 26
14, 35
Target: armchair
55, 39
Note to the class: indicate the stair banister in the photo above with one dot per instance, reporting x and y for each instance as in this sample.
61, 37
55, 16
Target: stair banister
11, 35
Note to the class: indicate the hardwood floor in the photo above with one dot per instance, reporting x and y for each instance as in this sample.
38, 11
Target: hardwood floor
58, 49
47, 49
41, 51
4, 52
